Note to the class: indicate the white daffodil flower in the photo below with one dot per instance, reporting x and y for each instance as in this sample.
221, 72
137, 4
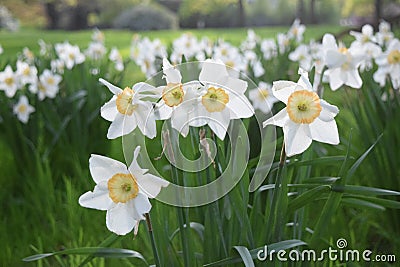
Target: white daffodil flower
9, 81
389, 65
127, 110
70, 54
296, 31
385, 35
342, 64
27, 74
178, 100
48, 85
306, 116
22, 109
262, 97
123, 192
269, 48
302, 55
222, 99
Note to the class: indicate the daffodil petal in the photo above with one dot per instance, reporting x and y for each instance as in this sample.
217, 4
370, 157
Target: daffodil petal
120, 219
328, 111
151, 184
114, 89
219, 123
353, 79
172, 75
283, 89
240, 107
121, 125
103, 168
325, 131
297, 138
145, 119
109, 110
280, 119
335, 80
98, 199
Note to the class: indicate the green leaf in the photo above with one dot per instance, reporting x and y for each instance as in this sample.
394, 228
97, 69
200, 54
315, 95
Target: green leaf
245, 255
359, 203
364, 190
95, 251
307, 197
355, 166
282, 245
198, 227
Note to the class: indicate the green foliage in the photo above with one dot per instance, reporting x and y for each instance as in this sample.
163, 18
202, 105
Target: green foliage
146, 17
204, 13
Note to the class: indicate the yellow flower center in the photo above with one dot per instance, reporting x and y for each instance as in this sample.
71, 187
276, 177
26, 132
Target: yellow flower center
71, 56
27, 71
22, 109
9, 81
224, 51
124, 102
342, 50
263, 93
50, 81
303, 106
215, 99
230, 64
173, 94
394, 57
42, 88
122, 187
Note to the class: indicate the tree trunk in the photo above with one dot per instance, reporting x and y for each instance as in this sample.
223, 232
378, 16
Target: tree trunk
242, 19
52, 15
300, 11
313, 19
378, 12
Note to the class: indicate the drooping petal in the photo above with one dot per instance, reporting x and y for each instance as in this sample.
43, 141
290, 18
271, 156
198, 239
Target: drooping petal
240, 107
180, 120
172, 75
120, 219
353, 79
114, 89
109, 110
335, 79
328, 111
103, 168
145, 119
141, 205
280, 119
98, 199
219, 123
121, 125
324, 131
297, 138
162, 111
283, 89
334, 59
146, 90
213, 72
151, 184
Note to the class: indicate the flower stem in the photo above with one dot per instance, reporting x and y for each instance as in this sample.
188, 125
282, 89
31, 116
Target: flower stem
153, 242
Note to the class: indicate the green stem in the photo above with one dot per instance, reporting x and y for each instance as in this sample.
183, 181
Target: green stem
153, 242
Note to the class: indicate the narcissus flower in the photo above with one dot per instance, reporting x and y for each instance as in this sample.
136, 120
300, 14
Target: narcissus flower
123, 192
48, 85
389, 65
342, 64
222, 98
127, 110
306, 116
22, 109
9, 81
262, 97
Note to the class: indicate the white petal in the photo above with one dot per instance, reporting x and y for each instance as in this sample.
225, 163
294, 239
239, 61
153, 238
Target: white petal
334, 59
236, 85
297, 138
120, 219
180, 121
103, 168
240, 107
134, 167
141, 205
162, 111
280, 119
283, 89
328, 111
172, 75
219, 123
98, 199
335, 80
121, 125
145, 119
213, 72
109, 110
143, 90
151, 184
114, 89
353, 79
324, 131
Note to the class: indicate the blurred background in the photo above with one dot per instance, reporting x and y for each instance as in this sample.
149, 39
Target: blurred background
172, 14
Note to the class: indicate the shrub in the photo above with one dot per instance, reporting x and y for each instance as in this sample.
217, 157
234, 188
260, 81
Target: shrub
206, 13
146, 17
